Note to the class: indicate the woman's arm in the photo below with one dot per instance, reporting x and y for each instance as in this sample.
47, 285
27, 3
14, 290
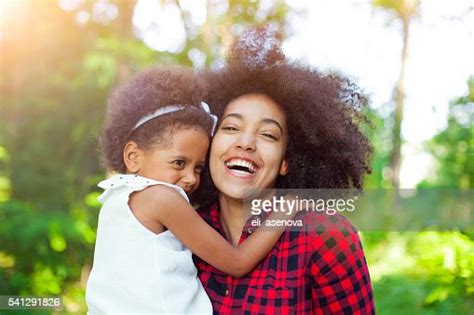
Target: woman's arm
171, 210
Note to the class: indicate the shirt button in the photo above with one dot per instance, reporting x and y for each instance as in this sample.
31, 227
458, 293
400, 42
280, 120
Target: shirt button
227, 292
249, 230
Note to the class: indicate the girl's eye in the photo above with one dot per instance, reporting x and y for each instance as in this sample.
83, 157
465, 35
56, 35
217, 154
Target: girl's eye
179, 163
199, 169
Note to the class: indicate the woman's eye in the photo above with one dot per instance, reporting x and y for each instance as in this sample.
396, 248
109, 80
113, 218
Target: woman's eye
270, 136
229, 128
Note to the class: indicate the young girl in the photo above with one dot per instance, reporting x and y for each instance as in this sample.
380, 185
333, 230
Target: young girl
156, 137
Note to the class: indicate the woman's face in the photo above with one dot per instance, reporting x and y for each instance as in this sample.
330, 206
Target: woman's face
248, 149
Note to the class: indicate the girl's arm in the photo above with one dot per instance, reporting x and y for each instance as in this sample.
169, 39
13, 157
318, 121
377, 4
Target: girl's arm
171, 210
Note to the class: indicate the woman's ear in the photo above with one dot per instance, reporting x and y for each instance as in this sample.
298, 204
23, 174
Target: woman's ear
283, 168
131, 157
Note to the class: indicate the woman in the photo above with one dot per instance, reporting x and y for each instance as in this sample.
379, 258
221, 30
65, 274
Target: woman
286, 125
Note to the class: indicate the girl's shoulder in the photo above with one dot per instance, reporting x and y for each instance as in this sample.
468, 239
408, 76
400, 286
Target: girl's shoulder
134, 183
130, 180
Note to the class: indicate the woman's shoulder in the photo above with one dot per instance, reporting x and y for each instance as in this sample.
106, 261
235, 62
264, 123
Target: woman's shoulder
320, 222
328, 233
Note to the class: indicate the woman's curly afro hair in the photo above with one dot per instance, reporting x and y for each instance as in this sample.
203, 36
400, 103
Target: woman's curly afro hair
142, 95
326, 147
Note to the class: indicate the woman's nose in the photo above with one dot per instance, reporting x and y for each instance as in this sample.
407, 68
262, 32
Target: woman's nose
246, 141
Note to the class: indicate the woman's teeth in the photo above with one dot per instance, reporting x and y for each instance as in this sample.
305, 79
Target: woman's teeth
242, 166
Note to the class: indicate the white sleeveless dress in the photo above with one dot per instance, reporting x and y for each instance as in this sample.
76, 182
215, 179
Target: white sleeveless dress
136, 271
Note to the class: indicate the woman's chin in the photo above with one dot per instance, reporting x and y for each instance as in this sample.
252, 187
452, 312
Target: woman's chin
235, 191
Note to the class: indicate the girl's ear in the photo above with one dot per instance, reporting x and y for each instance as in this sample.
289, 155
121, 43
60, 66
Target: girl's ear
131, 157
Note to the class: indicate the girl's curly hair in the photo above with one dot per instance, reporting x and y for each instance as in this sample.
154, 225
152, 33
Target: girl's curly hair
326, 147
142, 95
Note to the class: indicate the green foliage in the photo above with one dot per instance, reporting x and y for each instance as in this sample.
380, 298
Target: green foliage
421, 272
453, 148
43, 250
379, 135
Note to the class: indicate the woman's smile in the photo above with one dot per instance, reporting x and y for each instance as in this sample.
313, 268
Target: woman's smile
242, 167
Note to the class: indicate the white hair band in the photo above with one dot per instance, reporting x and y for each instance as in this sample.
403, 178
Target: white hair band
174, 108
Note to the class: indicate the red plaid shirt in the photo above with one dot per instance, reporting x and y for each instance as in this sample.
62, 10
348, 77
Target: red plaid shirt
318, 272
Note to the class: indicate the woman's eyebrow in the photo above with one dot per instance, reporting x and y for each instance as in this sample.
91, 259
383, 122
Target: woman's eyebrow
264, 120
272, 121
239, 116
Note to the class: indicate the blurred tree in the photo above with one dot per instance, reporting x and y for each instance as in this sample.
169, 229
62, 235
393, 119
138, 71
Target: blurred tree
453, 148
404, 11
379, 136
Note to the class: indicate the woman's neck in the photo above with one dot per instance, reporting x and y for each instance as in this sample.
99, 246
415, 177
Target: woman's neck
233, 217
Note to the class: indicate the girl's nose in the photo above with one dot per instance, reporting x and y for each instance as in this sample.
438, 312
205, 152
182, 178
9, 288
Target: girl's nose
190, 178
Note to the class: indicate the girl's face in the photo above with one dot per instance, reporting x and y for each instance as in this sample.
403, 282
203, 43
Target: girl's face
179, 164
248, 149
